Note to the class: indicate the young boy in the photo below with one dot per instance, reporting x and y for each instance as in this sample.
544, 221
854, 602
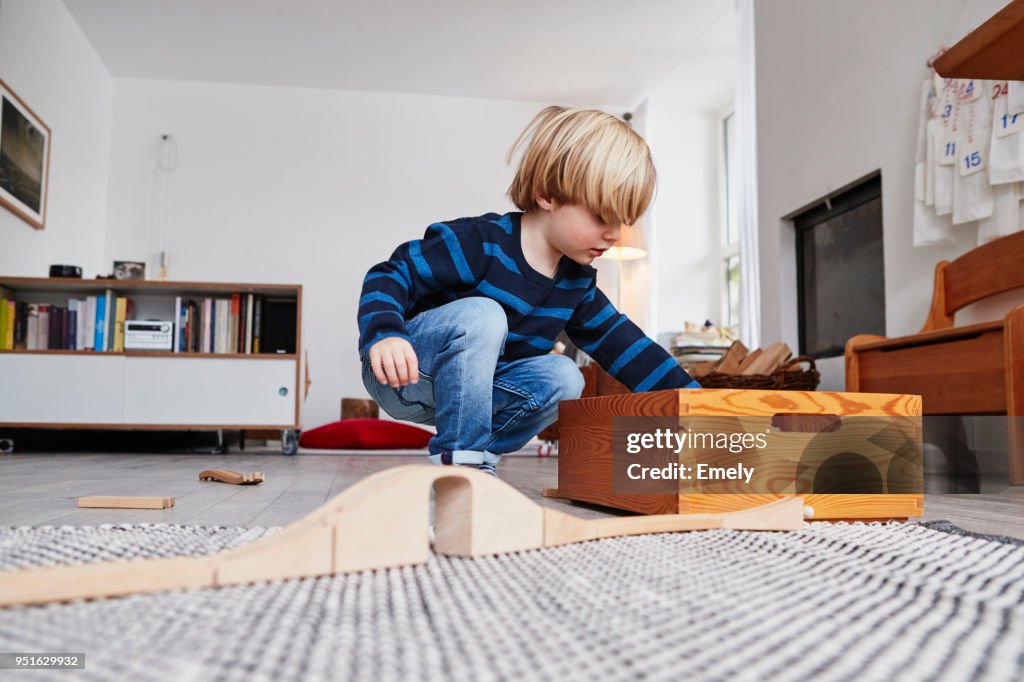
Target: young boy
456, 328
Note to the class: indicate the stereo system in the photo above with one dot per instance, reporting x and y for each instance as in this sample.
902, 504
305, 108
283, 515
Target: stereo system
148, 335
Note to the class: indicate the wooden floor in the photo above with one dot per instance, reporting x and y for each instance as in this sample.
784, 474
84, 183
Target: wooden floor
42, 489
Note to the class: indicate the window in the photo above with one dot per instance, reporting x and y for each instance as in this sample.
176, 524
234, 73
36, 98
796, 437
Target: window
730, 243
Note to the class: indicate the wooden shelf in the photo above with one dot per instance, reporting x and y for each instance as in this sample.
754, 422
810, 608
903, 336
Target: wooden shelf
142, 287
155, 354
77, 389
993, 51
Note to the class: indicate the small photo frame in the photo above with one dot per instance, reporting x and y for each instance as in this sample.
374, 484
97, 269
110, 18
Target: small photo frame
24, 159
126, 269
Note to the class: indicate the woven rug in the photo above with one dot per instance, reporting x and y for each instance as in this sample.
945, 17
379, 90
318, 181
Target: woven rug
830, 602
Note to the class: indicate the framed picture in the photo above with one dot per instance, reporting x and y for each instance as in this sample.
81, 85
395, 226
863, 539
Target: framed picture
24, 159
125, 269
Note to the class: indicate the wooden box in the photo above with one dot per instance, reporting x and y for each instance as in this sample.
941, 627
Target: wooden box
585, 448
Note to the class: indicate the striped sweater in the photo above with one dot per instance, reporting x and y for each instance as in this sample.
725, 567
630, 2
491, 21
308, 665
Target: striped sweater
484, 257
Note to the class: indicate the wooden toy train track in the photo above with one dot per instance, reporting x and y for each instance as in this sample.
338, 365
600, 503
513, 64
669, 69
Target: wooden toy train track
379, 522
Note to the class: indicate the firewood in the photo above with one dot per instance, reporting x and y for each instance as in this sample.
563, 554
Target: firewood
703, 368
771, 358
730, 362
748, 361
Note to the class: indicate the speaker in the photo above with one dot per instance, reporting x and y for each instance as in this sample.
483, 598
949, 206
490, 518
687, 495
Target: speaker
66, 271
277, 332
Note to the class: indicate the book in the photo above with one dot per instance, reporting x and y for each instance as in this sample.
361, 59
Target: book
32, 340
6, 319
3, 324
83, 312
73, 306
257, 325
248, 324
120, 316
207, 314
242, 304
195, 322
214, 322
232, 340
223, 317
90, 323
55, 334
43, 338
70, 329
21, 326
179, 327
12, 312
78, 307
108, 331
99, 325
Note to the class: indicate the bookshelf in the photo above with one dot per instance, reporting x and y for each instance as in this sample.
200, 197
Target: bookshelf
232, 383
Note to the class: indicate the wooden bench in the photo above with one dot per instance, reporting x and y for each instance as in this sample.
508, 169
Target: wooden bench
970, 370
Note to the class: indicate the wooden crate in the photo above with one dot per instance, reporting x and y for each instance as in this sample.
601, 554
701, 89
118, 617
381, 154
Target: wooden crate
585, 448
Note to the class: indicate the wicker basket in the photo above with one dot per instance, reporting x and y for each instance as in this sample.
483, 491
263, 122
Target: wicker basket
789, 377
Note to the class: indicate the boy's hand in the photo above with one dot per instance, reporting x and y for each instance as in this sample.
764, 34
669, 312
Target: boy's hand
394, 362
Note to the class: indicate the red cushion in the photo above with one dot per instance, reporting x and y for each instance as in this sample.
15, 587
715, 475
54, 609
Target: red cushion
365, 434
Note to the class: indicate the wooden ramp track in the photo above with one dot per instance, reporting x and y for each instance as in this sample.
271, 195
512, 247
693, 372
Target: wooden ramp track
379, 522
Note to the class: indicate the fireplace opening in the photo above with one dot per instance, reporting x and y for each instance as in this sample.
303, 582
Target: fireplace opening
840, 269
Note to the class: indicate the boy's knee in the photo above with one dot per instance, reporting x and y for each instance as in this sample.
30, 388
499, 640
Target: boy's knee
482, 319
485, 310
567, 378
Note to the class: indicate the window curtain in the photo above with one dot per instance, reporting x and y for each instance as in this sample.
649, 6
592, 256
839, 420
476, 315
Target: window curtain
746, 181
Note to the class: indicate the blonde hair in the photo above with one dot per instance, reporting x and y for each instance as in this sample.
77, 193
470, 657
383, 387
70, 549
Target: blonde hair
583, 156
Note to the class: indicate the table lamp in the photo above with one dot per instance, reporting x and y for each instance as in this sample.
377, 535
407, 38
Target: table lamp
631, 246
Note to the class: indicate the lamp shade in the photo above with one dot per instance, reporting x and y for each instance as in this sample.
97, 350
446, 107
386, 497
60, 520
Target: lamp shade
631, 245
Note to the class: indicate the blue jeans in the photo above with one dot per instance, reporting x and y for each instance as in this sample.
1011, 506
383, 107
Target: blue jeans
481, 408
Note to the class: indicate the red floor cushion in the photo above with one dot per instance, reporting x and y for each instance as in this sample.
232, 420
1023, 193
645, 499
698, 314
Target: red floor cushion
365, 434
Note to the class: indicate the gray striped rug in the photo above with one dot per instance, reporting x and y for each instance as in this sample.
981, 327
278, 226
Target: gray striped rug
830, 602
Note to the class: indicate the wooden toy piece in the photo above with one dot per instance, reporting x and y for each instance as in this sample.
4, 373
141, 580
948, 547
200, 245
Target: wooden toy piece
233, 477
585, 461
108, 502
359, 408
552, 492
782, 514
379, 522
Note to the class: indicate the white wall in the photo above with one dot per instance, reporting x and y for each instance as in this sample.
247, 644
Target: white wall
684, 237
837, 97
303, 186
313, 186
46, 59
682, 127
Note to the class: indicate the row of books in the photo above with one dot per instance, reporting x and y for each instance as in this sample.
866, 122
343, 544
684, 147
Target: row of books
215, 325
82, 324
241, 324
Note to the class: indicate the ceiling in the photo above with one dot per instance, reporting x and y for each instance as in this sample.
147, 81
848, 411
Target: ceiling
566, 51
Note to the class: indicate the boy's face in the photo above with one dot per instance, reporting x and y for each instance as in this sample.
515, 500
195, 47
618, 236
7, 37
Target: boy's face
579, 234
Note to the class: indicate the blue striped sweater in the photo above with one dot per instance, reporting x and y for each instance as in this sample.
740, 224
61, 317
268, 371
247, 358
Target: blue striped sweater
484, 257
